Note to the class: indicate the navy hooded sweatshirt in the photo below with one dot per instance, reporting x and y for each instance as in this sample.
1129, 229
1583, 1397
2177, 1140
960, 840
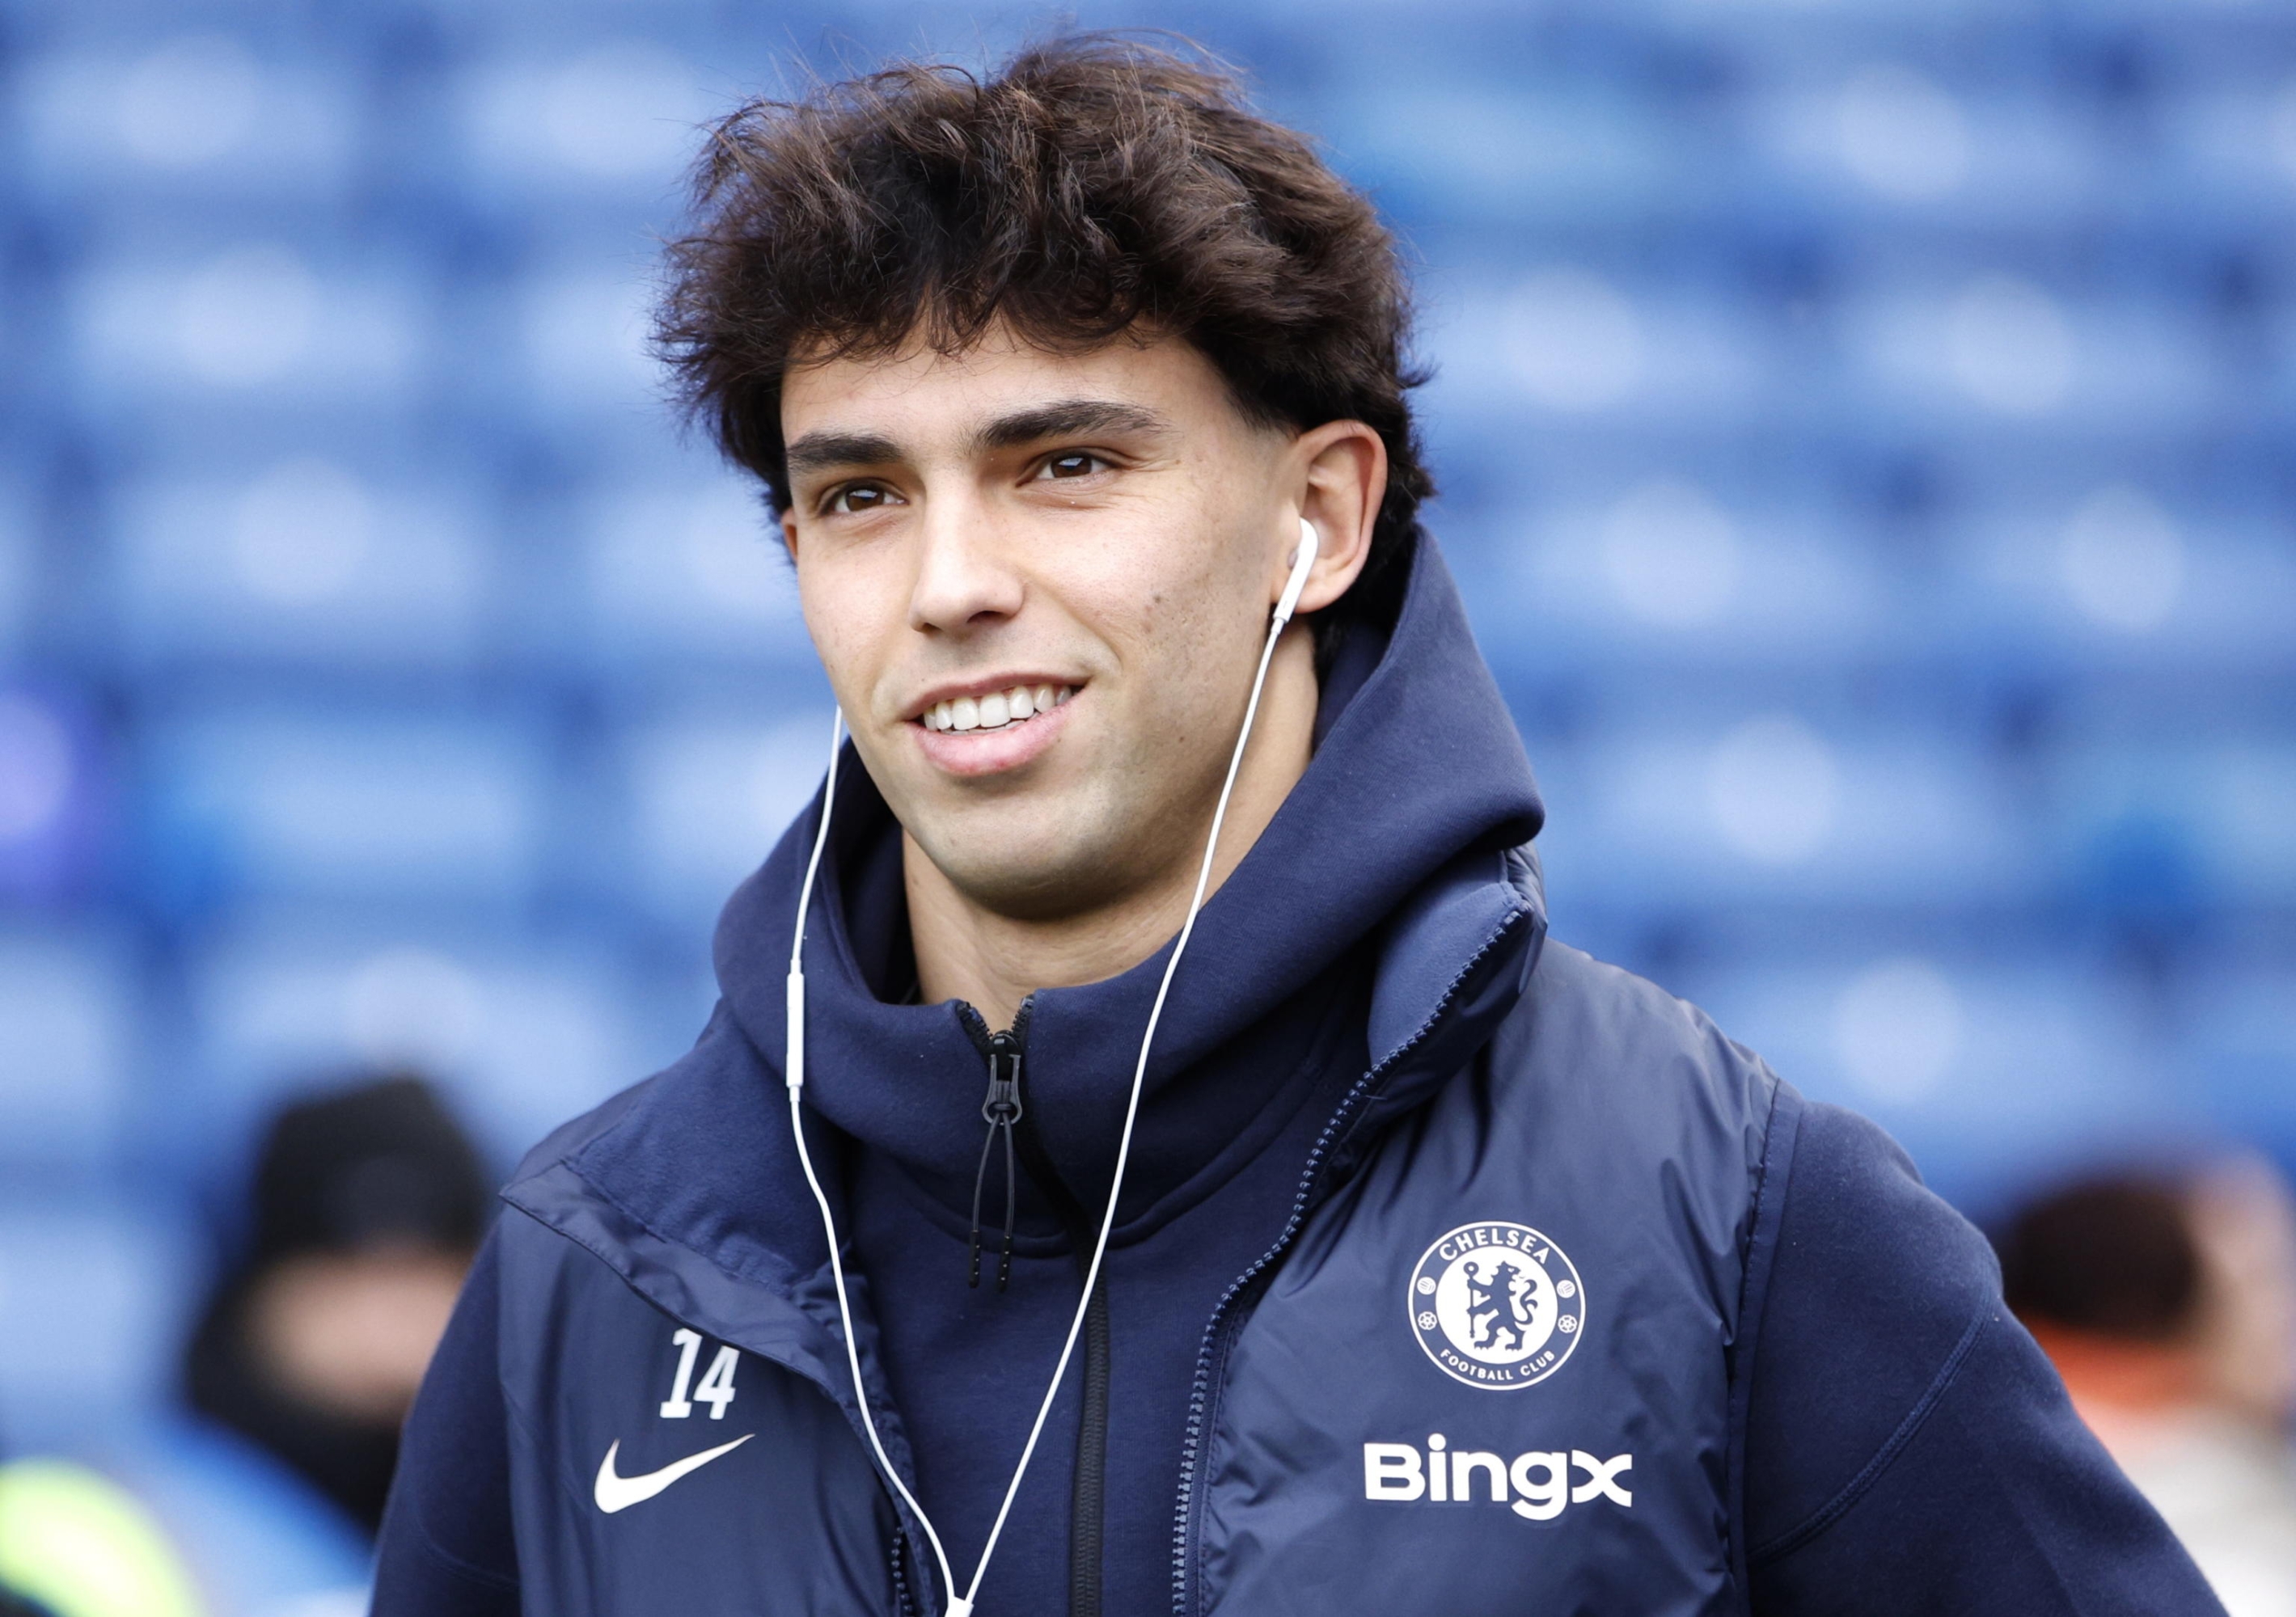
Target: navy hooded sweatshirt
1879, 1444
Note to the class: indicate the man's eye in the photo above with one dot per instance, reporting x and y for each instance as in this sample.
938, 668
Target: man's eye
860, 497
1076, 463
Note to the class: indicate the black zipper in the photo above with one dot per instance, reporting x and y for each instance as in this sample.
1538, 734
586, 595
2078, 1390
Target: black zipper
1229, 1313
1088, 1489
904, 1601
1000, 1111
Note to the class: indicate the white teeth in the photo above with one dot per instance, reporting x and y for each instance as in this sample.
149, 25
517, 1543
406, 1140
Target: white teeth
997, 710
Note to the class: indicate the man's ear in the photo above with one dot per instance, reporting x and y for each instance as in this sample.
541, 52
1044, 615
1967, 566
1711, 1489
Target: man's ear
1342, 471
789, 533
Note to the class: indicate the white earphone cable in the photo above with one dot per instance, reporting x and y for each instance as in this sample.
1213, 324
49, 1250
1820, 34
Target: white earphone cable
794, 1073
1302, 562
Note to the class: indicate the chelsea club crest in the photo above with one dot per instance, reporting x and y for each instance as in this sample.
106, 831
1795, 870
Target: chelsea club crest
1496, 1305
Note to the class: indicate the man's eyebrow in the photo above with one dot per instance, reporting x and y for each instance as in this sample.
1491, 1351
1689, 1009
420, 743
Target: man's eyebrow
1063, 418
1067, 418
819, 451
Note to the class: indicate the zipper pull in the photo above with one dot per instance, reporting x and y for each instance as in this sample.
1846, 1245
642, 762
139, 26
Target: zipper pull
1001, 1109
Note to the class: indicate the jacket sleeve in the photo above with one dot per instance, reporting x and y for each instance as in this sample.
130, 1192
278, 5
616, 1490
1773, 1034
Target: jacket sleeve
447, 1548
1907, 1449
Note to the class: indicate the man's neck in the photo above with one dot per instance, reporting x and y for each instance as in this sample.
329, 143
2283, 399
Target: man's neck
993, 962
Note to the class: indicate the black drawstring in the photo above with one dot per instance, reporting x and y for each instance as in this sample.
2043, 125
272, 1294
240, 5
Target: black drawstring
1002, 1109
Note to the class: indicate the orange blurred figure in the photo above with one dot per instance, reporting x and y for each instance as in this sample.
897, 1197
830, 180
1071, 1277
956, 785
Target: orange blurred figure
2169, 1306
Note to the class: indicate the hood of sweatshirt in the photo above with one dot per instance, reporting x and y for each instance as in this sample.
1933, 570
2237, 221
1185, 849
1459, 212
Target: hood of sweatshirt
1394, 882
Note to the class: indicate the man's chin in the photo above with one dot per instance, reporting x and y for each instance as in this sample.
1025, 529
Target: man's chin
1021, 879
1039, 893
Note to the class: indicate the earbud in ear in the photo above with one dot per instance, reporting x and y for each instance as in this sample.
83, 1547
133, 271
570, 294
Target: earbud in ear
1303, 562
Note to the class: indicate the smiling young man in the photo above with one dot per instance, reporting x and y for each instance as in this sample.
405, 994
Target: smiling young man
1446, 1270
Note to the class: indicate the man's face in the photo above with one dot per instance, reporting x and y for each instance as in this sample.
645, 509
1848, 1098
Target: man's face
1039, 583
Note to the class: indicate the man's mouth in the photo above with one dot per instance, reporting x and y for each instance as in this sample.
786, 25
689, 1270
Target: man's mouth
997, 710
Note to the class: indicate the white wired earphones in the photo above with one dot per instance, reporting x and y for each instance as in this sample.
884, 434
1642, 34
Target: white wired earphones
1303, 561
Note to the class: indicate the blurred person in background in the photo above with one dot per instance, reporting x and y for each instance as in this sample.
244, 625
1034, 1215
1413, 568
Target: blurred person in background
260, 1497
367, 1206
2169, 1305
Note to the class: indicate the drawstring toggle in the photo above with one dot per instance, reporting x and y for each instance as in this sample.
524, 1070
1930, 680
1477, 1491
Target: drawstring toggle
1001, 1110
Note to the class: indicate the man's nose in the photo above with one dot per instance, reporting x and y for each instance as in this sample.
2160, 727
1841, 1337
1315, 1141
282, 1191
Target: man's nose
964, 581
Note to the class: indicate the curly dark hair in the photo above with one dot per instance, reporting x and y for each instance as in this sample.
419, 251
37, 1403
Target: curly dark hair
1095, 187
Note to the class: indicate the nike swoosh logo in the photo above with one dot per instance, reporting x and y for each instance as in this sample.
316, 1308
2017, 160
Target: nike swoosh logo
615, 1494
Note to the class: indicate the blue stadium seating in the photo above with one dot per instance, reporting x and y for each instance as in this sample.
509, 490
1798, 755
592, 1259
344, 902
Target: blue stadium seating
517, 1031
69, 1068
97, 1293
1995, 1072
19, 561
309, 561
685, 567
708, 795
2209, 812
128, 120
54, 793
1864, 437
1772, 807
591, 125
389, 809
204, 340
2235, 1017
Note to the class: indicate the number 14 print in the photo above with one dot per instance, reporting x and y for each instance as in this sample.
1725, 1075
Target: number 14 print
717, 1388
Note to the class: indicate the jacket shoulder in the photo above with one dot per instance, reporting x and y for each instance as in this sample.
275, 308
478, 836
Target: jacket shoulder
682, 1088
699, 1157
1630, 1052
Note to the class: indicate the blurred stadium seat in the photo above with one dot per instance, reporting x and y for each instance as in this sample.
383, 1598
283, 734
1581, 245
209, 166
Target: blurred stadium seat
18, 575
1986, 1066
588, 123
2237, 1023
518, 1033
2215, 809
687, 570
393, 809
200, 344
132, 119
708, 796
307, 561
1660, 570
73, 1010
2116, 577
1769, 807
95, 1292
52, 790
